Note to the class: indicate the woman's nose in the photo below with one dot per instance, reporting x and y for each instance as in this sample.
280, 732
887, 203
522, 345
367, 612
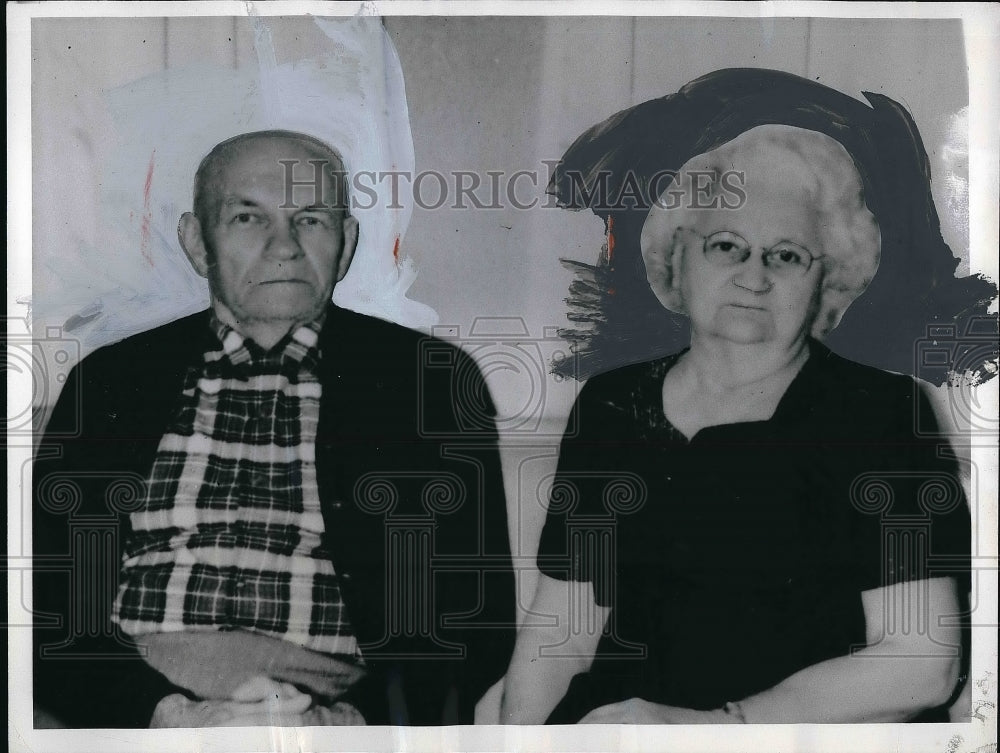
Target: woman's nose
753, 275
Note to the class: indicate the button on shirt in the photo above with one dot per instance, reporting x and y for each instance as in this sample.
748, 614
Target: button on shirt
231, 534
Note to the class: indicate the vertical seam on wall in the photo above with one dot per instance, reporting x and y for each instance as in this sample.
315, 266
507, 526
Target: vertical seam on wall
236, 42
166, 43
809, 26
631, 61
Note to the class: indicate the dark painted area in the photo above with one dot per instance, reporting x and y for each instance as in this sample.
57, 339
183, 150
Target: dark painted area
916, 317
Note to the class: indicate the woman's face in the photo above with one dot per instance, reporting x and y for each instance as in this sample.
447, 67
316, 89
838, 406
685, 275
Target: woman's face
752, 275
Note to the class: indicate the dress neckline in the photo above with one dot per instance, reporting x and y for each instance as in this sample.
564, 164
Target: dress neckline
651, 395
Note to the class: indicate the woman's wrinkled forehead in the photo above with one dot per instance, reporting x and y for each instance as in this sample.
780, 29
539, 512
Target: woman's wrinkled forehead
772, 173
773, 155
770, 208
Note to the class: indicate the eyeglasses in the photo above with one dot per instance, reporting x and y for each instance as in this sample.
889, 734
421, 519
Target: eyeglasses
787, 259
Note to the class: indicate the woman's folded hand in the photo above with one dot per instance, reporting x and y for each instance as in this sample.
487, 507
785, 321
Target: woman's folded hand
638, 711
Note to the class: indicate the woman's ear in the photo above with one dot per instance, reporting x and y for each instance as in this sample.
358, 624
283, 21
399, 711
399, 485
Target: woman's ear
679, 244
193, 242
827, 318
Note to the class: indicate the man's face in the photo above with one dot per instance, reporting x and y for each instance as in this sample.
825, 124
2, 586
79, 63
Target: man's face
275, 249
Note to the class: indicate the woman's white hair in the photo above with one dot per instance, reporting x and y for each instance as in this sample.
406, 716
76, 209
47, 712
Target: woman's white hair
816, 164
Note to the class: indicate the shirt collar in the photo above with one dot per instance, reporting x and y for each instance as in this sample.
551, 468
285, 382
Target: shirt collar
299, 345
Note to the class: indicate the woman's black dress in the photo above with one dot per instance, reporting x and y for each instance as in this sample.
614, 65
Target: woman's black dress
738, 557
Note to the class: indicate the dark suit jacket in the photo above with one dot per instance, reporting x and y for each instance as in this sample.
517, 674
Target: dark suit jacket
412, 497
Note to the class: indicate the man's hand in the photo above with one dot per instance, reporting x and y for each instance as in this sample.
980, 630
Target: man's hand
638, 711
260, 701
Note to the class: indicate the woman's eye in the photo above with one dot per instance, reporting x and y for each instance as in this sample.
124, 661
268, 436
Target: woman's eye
724, 248
724, 242
789, 257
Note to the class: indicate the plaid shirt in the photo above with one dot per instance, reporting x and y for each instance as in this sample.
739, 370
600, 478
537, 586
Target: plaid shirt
231, 533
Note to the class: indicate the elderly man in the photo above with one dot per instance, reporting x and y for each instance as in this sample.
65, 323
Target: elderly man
271, 512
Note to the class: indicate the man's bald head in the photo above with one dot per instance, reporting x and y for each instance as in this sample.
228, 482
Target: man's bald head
207, 178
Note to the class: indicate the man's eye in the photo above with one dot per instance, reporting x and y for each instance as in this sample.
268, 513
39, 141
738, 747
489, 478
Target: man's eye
311, 221
244, 218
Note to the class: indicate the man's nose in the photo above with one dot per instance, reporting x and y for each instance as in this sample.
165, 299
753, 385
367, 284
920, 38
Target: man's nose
284, 242
753, 275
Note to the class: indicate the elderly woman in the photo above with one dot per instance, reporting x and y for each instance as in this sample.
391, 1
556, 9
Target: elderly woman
750, 530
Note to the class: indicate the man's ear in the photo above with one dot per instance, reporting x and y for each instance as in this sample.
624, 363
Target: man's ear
350, 231
191, 239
